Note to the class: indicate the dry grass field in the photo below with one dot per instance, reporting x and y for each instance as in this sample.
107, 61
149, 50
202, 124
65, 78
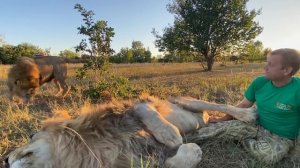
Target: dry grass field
226, 84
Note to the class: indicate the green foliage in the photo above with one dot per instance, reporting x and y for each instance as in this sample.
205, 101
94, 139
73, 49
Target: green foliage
253, 51
137, 53
69, 54
124, 56
98, 39
92, 64
181, 56
174, 39
7, 54
266, 51
116, 86
208, 27
10, 53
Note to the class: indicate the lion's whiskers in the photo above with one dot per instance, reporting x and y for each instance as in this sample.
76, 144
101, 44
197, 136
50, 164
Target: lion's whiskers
84, 142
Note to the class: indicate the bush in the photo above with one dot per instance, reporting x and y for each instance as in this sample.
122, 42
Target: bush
110, 85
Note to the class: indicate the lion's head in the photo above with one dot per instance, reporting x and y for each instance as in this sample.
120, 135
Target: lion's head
38, 153
23, 78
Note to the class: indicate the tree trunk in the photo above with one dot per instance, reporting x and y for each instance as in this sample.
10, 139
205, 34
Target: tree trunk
210, 62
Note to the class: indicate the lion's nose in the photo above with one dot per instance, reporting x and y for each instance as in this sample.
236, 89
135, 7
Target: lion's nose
5, 163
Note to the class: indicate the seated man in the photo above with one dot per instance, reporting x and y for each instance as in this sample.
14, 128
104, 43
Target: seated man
277, 98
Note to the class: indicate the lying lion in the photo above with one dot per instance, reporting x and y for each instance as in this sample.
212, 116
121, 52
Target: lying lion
122, 135
28, 74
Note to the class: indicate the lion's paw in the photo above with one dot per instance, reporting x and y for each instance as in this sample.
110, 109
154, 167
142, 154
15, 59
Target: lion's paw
188, 155
168, 134
250, 115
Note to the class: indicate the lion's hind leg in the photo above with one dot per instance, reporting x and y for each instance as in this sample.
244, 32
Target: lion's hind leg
65, 88
62, 87
163, 131
188, 155
58, 87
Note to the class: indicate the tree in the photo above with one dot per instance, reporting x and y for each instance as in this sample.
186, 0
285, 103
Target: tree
69, 54
140, 54
253, 51
27, 49
208, 27
6, 54
124, 56
174, 39
137, 45
137, 53
10, 53
266, 51
98, 40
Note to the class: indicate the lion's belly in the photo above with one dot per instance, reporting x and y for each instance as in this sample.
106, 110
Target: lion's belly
184, 120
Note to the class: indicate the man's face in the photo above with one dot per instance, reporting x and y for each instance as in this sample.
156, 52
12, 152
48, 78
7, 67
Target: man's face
274, 69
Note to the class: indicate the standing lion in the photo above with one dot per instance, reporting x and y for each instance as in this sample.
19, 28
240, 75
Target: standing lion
28, 74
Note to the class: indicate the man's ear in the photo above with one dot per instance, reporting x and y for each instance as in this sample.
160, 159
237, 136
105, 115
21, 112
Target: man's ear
288, 70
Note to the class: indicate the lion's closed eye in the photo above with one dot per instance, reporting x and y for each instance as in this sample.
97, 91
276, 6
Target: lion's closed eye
27, 154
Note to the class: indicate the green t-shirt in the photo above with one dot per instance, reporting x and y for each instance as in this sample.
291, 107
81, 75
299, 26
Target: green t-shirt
278, 107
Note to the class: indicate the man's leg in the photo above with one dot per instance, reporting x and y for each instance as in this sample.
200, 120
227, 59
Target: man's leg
227, 130
268, 147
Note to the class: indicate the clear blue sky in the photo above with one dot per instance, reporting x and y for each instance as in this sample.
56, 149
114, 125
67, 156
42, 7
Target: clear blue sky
53, 23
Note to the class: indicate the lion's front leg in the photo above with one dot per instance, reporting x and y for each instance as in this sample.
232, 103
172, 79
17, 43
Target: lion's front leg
188, 156
163, 131
242, 114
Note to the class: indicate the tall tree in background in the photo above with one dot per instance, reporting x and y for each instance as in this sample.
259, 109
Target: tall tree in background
137, 53
124, 56
208, 27
254, 51
97, 43
140, 54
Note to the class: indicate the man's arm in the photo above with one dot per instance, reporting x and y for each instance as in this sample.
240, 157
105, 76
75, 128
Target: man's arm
243, 104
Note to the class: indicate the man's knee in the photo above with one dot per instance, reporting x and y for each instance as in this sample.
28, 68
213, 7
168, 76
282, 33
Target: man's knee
267, 151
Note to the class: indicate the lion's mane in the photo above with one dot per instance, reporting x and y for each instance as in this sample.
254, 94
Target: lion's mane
105, 135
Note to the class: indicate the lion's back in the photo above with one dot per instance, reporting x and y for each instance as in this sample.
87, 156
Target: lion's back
52, 65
